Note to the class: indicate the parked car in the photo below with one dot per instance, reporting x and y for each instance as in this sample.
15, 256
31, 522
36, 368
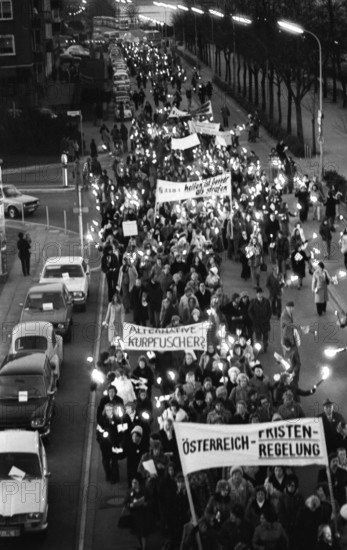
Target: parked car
28, 384
23, 467
74, 272
38, 337
76, 50
50, 302
15, 202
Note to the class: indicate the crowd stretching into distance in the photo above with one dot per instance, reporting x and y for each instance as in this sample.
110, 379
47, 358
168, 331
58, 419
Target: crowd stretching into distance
169, 275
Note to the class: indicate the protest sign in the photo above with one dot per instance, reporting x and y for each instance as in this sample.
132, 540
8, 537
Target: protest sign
185, 143
130, 228
298, 442
207, 128
176, 113
170, 191
192, 337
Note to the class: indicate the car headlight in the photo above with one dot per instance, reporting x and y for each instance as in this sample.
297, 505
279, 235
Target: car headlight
36, 516
78, 294
61, 325
38, 422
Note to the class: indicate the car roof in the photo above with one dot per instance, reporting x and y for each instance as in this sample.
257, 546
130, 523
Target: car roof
32, 328
19, 441
47, 287
64, 260
23, 363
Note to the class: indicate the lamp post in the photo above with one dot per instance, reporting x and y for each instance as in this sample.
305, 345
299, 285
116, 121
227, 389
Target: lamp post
183, 8
216, 14
200, 12
3, 252
242, 20
293, 28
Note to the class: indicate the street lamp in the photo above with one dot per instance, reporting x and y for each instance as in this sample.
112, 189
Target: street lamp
241, 20
200, 12
293, 28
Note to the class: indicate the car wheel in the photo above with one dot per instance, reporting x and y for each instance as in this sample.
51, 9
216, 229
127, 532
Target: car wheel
12, 212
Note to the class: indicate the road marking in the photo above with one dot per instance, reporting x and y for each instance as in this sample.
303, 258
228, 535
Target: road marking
90, 432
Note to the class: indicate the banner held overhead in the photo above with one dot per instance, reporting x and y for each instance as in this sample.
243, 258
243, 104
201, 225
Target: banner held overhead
289, 443
188, 337
171, 191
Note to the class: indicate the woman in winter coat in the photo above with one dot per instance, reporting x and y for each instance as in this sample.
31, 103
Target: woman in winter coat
320, 281
254, 256
136, 502
143, 376
269, 534
126, 281
343, 245
241, 490
325, 233
219, 505
114, 319
299, 259
242, 390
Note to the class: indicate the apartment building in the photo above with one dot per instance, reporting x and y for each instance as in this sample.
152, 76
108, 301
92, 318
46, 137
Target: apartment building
28, 31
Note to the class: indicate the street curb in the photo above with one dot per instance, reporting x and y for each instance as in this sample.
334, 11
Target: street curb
43, 190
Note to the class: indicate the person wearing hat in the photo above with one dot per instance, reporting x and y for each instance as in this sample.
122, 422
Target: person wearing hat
241, 490
331, 421
320, 281
260, 314
134, 448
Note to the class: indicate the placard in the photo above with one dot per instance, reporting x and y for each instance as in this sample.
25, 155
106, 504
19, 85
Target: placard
171, 191
188, 337
130, 228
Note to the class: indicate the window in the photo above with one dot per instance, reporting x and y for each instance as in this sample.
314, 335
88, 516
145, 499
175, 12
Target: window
6, 9
7, 44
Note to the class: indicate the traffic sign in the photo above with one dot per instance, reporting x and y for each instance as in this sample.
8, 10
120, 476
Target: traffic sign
74, 113
84, 210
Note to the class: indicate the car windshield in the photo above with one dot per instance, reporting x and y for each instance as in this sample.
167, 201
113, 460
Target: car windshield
23, 465
26, 343
64, 271
22, 387
11, 191
44, 301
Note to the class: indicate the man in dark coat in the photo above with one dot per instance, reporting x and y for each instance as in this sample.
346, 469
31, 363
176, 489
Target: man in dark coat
260, 314
203, 296
23, 246
235, 530
110, 266
155, 297
233, 313
331, 422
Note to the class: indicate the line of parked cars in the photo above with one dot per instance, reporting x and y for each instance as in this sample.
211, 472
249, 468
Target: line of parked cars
121, 85
29, 379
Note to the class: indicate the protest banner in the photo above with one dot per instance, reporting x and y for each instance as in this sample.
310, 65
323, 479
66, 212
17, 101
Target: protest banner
207, 128
192, 337
185, 143
176, 113
170, 191
298, 442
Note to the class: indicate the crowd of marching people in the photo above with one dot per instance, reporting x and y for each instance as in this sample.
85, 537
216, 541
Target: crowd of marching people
168, 274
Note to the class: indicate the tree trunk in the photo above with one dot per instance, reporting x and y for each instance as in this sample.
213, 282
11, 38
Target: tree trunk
226, 67
256, 86
250, 84
244, 75
279, 104
289, 109
238, 74
334, 98
263, 89
229, 68
271, 93
219, 65
299, 125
